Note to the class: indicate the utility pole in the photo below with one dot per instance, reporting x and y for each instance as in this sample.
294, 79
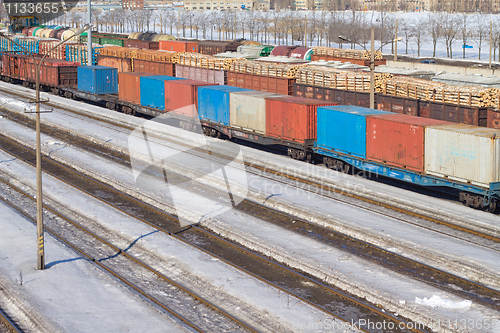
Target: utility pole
89, 35
372, 69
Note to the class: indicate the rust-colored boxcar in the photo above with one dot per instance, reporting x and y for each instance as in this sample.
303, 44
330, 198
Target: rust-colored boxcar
292, 118
398, 140
141, 44
153, 67
212, 47
493, 119
181, 96
129, 86
178, 46
121, 64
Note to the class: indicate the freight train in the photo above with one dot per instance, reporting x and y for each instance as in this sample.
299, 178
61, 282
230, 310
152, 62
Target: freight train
421, 151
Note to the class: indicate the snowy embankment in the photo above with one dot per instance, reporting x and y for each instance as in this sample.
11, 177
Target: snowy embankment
392, 291
450, 254
230, 289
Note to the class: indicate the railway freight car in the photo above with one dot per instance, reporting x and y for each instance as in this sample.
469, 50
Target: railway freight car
421, 151
425, 152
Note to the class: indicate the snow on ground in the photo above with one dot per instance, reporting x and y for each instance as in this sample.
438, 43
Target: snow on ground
88, 302
72, 294
358, 276
445, 252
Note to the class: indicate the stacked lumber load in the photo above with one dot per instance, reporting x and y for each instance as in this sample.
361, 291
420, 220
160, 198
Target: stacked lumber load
204, 61
153, 55
133, 53
465, 96
440, 92
118, 52
338, 79
407, 87
265, 69
345, 53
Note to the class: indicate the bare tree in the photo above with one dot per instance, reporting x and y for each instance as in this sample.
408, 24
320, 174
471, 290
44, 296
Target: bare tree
419, 33
451, 27
434, 28
464, 31
406, 30
480, 31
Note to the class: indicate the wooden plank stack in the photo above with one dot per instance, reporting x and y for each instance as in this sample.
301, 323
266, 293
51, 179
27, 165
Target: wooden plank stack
204, 61
345, 53
265, 69
338, 79
407, 87
440, 92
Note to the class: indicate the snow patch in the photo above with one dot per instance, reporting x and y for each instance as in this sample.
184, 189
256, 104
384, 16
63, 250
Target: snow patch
437, 302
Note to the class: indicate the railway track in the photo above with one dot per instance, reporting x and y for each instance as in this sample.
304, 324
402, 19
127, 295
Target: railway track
7, 324
306, 184
130, 270
324, 297
470, 289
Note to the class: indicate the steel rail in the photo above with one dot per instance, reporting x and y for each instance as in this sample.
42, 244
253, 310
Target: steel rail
349, 298
479, 291
128, 256
10, 324
301, 180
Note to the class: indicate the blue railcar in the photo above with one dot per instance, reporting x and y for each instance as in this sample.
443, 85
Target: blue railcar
153, 90
342, 128
213, 103
98, 79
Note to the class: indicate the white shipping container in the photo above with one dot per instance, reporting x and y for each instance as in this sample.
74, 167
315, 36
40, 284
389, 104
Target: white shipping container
248, 110
463, 152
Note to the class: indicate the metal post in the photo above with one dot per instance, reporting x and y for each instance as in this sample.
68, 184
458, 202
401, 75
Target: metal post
372, 70
89, 36
396, 43
39, 203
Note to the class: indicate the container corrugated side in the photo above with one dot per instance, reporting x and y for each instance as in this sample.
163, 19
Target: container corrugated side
342, 128
153, 90
398, 140
248, 110
213, 103
98, 79
129, 86
463, 152
181, 96
293, 118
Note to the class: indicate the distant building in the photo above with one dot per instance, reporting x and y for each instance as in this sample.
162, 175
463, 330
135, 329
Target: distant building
133, 4
226, 4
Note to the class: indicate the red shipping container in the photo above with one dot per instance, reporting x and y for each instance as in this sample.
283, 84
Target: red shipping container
181, 96
129, 86
178, 46
398, 140
293, 118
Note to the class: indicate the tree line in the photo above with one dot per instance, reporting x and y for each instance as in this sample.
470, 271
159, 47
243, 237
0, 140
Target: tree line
309, 28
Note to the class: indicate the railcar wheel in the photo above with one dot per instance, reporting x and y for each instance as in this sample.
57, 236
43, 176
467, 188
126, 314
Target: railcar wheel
346, 168
491, 207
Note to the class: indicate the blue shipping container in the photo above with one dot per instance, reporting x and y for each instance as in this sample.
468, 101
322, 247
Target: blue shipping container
342, 128
213, 103
98, 79
153, 90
